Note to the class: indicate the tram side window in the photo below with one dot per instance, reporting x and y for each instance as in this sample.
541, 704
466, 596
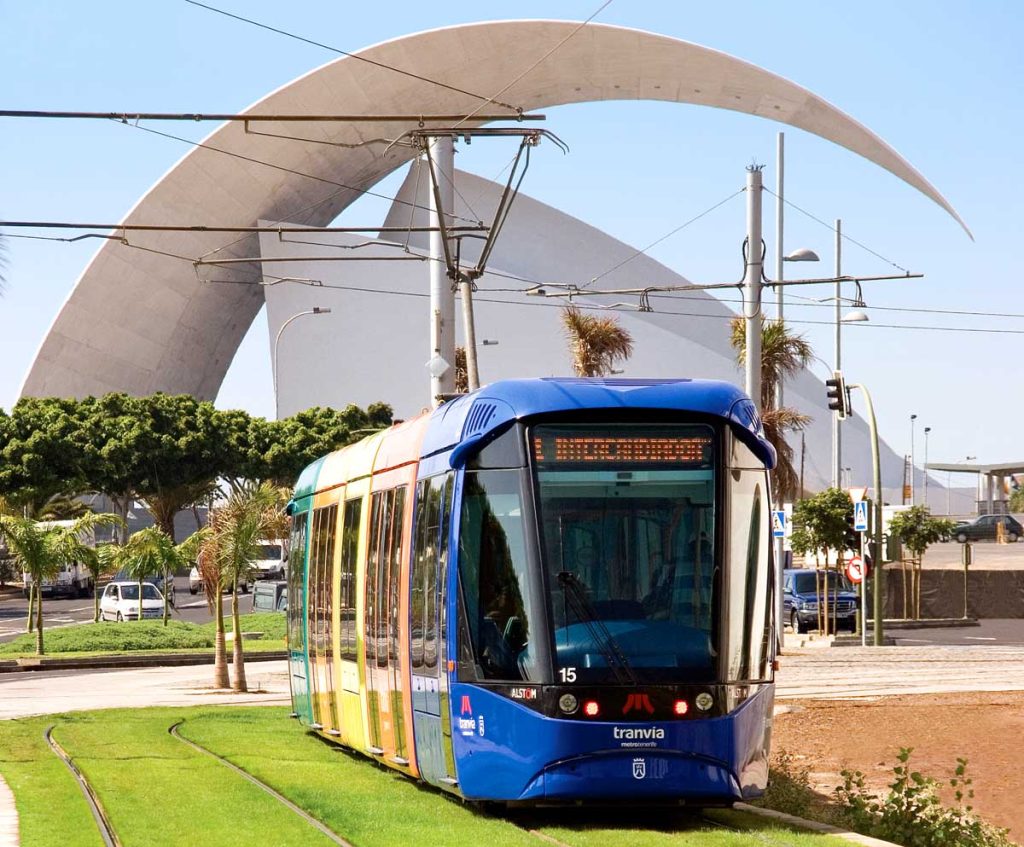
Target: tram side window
493, 568
423, 583
349, 556
748, 576
322, 557
374, 564
296, 562
438, 618
395, 570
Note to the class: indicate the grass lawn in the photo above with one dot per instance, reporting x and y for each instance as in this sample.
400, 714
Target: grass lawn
158, 791
93, 639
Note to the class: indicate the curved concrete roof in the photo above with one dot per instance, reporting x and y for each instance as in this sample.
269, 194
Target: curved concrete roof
142, 321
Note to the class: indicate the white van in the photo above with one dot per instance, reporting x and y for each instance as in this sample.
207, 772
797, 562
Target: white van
73, 580
271, 561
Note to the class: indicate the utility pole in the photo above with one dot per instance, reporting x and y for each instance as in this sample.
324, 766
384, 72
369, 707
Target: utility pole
442, 298
780, 192
837, 445
876, 546
752, 286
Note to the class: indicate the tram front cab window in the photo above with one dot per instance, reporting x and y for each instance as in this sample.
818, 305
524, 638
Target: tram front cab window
627, 519
496, 591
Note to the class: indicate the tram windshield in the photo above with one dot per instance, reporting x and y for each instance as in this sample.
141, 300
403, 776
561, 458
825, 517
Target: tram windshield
627, 519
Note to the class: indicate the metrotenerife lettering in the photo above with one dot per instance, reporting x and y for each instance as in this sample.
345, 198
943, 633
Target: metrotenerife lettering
645, 733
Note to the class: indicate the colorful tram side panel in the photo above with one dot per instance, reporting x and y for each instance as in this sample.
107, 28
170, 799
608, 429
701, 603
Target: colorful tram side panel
547, 590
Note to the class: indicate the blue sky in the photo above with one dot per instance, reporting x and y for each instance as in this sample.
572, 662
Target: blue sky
939, 81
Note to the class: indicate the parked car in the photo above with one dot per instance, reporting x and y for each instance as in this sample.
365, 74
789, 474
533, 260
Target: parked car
984, 528
800, 590
120, 602
270, 596
157, 581
195, 583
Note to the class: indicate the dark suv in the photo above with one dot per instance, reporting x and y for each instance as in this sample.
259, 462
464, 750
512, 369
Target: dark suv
984, 528
800, 599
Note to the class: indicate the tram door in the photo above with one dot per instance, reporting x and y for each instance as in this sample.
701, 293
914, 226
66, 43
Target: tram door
429, 683
349, 706
386, 724
321, 568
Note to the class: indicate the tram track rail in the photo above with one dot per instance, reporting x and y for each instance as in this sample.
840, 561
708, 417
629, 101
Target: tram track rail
99, 815
308, 818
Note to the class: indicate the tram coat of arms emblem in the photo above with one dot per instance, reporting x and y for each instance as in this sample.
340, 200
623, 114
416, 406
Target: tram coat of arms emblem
639, 768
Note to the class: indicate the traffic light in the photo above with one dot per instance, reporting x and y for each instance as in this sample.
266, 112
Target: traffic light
851, 537
838, 395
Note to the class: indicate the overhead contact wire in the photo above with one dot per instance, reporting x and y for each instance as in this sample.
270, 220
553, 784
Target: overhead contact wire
360, 58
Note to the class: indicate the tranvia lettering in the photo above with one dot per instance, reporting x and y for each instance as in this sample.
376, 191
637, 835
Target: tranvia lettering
646, 733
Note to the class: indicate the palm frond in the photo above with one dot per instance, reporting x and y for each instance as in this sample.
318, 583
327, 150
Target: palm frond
597, 343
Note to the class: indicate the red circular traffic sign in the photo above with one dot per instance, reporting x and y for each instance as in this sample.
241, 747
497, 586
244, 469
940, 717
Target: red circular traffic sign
855, 569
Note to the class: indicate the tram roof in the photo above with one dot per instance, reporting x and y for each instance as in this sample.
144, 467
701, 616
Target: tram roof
472, 417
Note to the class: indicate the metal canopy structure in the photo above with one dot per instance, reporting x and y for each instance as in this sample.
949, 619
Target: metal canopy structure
141, 320
991, 478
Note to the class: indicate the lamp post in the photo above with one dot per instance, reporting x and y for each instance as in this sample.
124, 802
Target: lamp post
927, 429
316, 310
912, 419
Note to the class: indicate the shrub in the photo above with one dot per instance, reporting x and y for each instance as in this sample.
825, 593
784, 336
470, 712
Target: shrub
912, 813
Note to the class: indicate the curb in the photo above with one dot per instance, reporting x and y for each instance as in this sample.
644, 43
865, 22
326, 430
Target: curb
158, 660
814, 826
8, 817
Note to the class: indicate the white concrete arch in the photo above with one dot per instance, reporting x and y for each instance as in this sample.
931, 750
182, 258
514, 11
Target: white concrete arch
142, 321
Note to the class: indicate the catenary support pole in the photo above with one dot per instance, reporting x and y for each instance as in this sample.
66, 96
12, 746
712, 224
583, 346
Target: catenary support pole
780, 193
837, 435
469, 333
876, 546
752, 286
442, 298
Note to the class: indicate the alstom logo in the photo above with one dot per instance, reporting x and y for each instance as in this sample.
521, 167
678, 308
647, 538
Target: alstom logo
648, 733
638, 702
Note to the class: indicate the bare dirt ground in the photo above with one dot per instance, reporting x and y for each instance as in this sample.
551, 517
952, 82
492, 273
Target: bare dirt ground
986, 728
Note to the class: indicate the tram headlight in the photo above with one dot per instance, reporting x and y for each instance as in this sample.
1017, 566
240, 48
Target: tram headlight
704, 701
568, 703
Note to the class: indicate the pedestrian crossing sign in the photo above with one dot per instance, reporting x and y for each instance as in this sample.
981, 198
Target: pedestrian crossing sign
860, 516
778, 524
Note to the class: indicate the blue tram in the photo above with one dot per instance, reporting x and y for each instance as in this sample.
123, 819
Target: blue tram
547, 590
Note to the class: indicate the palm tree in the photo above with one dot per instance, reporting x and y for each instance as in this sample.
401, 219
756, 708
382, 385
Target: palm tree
249, 515
42, 550
151, 551
783, 355
596, 343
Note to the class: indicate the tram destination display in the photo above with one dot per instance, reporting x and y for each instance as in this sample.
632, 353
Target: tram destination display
665, 446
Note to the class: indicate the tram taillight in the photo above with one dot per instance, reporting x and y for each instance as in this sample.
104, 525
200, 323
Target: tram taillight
681, 707
591, 709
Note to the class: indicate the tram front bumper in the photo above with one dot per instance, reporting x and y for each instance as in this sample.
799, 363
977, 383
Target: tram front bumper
640, 774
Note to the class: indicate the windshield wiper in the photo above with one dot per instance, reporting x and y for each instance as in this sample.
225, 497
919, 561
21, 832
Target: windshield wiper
576, 594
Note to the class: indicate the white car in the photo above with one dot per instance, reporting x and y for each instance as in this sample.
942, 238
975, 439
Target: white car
195, 583
120, 602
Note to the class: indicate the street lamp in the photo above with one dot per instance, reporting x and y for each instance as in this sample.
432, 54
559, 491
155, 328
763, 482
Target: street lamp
927, 429
316, 310
912, 419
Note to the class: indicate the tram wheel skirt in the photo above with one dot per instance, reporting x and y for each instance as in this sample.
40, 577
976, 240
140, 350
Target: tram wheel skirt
642, 773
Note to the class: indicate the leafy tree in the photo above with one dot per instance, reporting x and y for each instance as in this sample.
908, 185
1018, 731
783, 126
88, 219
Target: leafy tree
917, 530
820, 524
597, 343
61, 507
1017, 500
182, 453
296, 441
42, 452
227, 553
115, 440
42, 550
783, 356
